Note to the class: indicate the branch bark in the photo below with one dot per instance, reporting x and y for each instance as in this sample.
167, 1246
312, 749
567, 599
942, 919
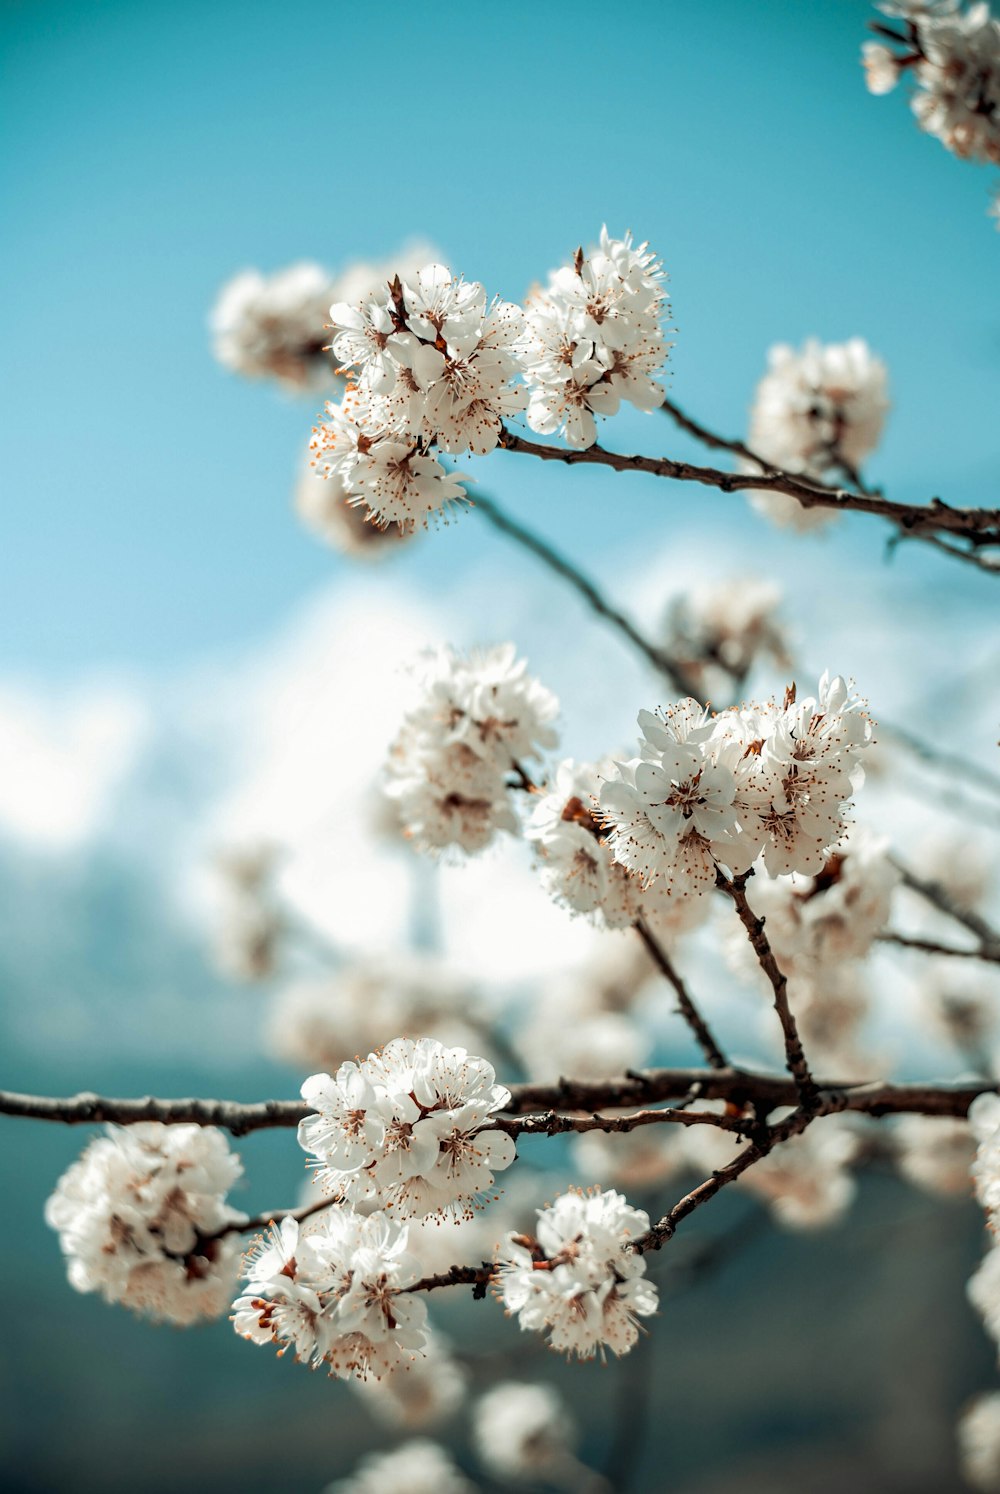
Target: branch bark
688, 1010
933, 522
795, 1058
737, 1086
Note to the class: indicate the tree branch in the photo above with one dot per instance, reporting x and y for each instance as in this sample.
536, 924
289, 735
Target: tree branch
931, 946
595, 599
688, 1010
738, 1087
976, 527
940, 898
794, 1056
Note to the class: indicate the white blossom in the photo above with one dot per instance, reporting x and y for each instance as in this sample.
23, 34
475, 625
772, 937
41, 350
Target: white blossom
978, 1435
408, 1127
594, 338
248, 923
881, 68
335, 1295
434, 366
480, 718
277, 326
818, 411
274, 326
576, 1280
709, 791
524, 1432
577, 867
418, 1467
140, 1218
952, 55
717, 632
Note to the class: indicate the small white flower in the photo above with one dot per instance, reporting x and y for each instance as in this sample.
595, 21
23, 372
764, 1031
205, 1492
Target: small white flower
480, 718
418, 1467
274, 326
594, 338
524, 1432
408, 1128
577, 1281
335, 1295
139, 1217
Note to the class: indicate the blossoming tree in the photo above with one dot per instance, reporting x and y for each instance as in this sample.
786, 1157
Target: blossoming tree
728, 814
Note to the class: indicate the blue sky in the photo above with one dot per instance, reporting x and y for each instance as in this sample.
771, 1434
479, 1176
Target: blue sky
153, 149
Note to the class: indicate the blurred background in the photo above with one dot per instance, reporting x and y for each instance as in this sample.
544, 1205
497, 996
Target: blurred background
183, 667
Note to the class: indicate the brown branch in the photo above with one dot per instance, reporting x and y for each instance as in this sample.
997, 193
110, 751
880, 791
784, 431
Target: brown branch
477, 1277
795, 1058
595, 599
711, 439
686, 1005
664, 1229
939, 897
976, 527
931, 946
738, 1087
554, 1123
90, 1109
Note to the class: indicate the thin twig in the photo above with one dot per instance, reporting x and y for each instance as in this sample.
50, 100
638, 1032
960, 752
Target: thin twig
584, 587
663, 1230
939, 897
931, 946
794, 1056
686, 1005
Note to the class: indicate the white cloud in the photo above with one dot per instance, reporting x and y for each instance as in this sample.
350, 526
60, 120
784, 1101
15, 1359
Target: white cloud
61, 760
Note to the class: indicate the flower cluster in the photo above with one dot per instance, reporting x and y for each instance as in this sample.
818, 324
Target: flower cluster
420, 1392
405, 1129
272, 326
141, 1219
524, 1432
479, 719
953, 56
595, 338
335, 1295
719, 790
419, 1466
275, 326
433, 364
249, 925
577, 1280
818, 411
